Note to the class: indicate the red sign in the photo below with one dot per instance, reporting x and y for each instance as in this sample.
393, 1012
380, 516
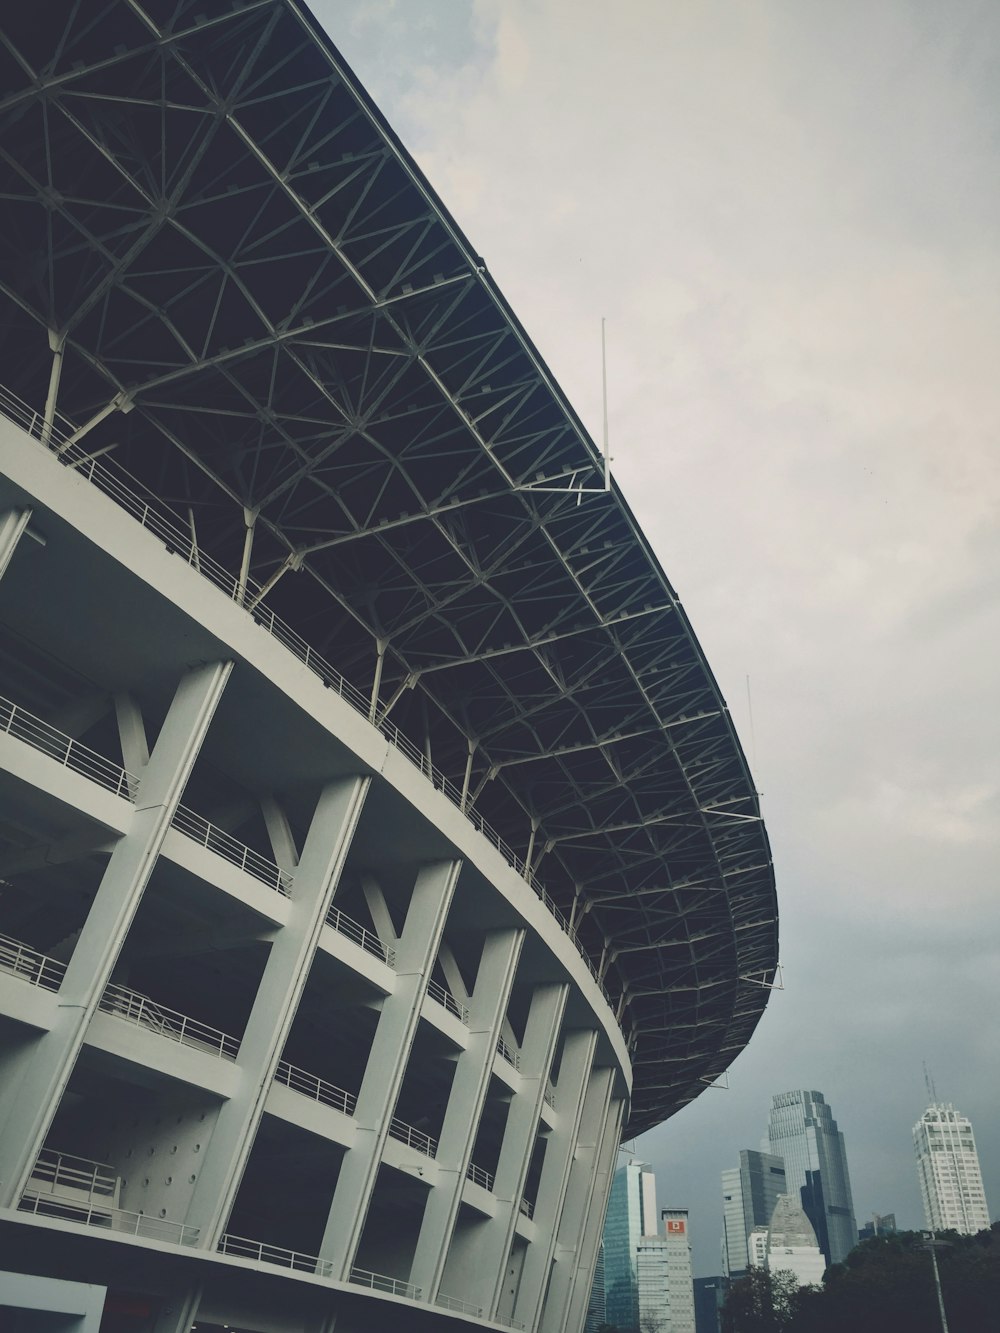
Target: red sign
675, 1227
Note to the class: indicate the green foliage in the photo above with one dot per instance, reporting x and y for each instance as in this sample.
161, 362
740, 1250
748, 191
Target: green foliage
761, 1302
887, 1284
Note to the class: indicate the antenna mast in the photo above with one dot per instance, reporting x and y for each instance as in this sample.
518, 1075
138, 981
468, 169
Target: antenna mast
929, 1082
604, 386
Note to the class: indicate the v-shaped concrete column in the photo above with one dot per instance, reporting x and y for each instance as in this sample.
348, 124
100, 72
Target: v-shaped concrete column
580, 1199
594, 1219
487, 1007
574, 1075
12, 526
383, 1077
331, 830
490, 1248
33, 1090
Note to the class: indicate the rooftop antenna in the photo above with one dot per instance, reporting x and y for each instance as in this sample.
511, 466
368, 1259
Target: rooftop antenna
574, 483
604, 386
929, 1082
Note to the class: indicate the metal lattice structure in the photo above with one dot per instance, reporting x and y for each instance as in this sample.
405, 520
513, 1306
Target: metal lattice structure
240, 287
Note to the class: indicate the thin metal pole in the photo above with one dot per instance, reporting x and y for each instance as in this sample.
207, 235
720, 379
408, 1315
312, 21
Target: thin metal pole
604, 385
937, 1284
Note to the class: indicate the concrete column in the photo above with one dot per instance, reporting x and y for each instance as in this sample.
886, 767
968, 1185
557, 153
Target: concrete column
492, 1245
579, 1200
574, 1076
487, 1008
32, 1095
178, 1312
12, 526
383, 1077
285, 973
576, 1310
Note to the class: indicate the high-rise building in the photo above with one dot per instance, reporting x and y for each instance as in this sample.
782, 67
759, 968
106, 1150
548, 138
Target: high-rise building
336, 677
709, 1298
881, 1224
596, 1311
631, 1216
680, 1283
801, 1129
791, 1245
951, 1182
749, 1193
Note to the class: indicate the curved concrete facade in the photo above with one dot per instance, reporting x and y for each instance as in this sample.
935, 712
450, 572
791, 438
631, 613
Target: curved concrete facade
290, 1007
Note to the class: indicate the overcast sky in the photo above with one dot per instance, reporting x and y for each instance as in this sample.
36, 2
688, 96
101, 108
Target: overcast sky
788, 211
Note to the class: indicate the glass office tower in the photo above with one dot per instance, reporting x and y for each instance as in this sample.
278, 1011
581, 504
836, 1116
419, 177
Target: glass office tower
749, 1194
801, 1129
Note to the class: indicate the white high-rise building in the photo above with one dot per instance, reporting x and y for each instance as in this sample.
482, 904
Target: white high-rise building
792, 1246
951, 1182
680, 1283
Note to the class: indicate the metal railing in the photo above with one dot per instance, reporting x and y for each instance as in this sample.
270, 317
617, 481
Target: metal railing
454, 1303
413, 1138
550, 1095
309, 1085
526, 1207
57, 1182
146, 1013
65, 1171
42, 736
509, 1054
480, 1177
242, 1248
445, 998
128, 492
346, 925
394, 1286
30, 965
65, 750
121, 1220
199, 830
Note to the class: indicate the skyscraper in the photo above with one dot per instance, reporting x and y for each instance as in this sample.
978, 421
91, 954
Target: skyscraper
802, 1130
749, 1193
680, 1284
631, 1215
596, 1313
951, 1183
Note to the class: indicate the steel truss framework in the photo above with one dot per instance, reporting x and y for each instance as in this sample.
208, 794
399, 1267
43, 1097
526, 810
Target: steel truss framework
206, 220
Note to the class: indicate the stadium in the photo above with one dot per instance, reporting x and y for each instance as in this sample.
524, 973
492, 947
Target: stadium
376, 848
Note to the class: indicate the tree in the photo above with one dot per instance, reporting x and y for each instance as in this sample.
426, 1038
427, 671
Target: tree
761, 1302
886, 1284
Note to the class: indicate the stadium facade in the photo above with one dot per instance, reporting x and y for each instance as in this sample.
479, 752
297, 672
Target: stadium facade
376, 848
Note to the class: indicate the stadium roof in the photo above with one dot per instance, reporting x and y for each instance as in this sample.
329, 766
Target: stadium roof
204, 215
